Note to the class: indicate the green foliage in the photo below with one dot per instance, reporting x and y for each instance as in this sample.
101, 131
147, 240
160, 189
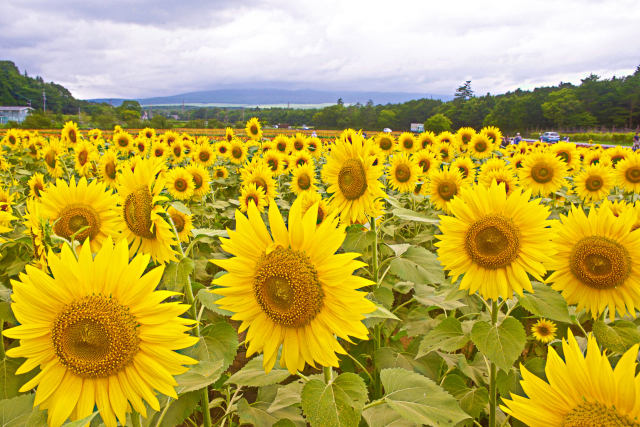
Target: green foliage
337, 404
438, 123
545, 302
501, 343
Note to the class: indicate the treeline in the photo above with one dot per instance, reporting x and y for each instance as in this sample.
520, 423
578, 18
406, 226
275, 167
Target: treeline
594, 103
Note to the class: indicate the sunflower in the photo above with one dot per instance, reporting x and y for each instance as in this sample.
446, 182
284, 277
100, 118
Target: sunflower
6, 200
180, 183
220, 172
385, 142
123, 141
159, 149
253, 129
597, 262
427, 161
426, 139
99, 333
480, 146
517, 161
81, 210
182, 222
442, 186
303, 179
403, 172
407, 142
94, 135
352, 180
148, 133
466, 167
85, 153
201, 179
300, 158
314, 146
290, 288
493, 133
627, 173
51, 155
12, 138
237, 151
108, 167
579, 391
36, 185
618, 153
273, 159
142, 222
596, 157
501, 176
594, 183
543, 173
176, 149
494, 240
141, 145
298, 142
34, 228
204, 154
252, 194
169, 137
260, 175
544, 331
228, 134
70, 133
282, 144
567, 153
447, 138
310, 199
465, 134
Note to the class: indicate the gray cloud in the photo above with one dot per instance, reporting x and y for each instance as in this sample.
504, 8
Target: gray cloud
112, 49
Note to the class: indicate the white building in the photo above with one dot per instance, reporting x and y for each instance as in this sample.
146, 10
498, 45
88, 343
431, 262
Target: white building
13, 114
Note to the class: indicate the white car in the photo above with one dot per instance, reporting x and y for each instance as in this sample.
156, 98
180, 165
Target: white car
387, 130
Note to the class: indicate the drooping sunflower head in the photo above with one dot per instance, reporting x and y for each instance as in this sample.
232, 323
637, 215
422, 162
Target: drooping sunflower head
594, 183
596, 263
303, 179
443, 185
407, 142
543, 173
403, 172
182, 222
228, 134
36, 185
496, 241
544, 330
253, 129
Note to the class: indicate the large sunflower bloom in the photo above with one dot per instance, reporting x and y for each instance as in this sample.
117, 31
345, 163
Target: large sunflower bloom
353, 179
581, 390
494, 240
83, 210
143, 225
290, 288
99, 333
597, 261
543, 173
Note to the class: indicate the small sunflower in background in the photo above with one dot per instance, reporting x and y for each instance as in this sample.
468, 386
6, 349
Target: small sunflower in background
237, 151
204, 154
148, 133
407, 142
426, 139
108, 167
427, 161
273, 159
544, 331
159, 150
303, 179
596, 157
445, 150
177, 152
403, 172
201, 179
220, 172
617, 154
443, 185
467, 168
229, 134
260, 174
253, 129
298, 143
594, 183
141, 146
544, 173
385, 142
70, 133
493, 133
282, 144
580, 390
465, 134
84, 154
223, 148
103, 335
252, 194
182, 222
51, 154
568, 153
289, 288
123, 141
310, 199
596, 263
81, 210
12, 139
500, 176
33, 220
627, 173
180, 183
494, 241
36, 185
480, 146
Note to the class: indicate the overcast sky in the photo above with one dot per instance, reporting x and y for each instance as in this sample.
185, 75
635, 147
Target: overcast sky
165, 47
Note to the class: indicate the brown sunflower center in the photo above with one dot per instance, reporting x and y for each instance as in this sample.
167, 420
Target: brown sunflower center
181, 185
304, 181
352, 179
82, 157
204, 156
260, 183
72, 136
177, 150
178, 222
95, 336
137, 213
253, 130
543, 330
38, 188
273, 164
123, 142
600, 263
252, 198
74, 218
425, 164
541, 173
564, 156
407, 143
298, 145
447, 189
480, 146
506, 184
236, 152
464, 171
219, 173
50, 159
632, 174
589, 414
493, 242
287, 288
593, 183
616, 158
159, 152
321, 215
385, 144
403, 173
197, 180
110, 170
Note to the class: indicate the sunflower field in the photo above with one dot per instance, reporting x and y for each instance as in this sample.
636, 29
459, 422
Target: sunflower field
169, 279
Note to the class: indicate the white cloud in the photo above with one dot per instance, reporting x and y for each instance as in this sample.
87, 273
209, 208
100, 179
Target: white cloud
163, 48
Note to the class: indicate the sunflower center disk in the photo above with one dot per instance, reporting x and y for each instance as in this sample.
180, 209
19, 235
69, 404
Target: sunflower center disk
385, 144
110, 170
600, 263
95, 336
481, 147
180, 184
352, 179
541, 173
236, 152
447, 190
178, 222
424, 164
137, 213
287, 288
633, 175
564, 156
304, 182
593, 183
596, 414
73, 219
203, 156
493, 242
50, 159
403, 173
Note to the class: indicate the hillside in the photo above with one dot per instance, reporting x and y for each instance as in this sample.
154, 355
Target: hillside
19, 89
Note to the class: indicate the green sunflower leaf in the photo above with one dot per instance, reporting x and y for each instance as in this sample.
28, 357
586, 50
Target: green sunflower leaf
502, 343
337, 404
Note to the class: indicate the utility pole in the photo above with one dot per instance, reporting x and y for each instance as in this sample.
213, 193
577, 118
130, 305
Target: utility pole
78, 115
44, 101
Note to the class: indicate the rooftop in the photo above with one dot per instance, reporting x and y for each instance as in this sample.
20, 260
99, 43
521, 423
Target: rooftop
13, 108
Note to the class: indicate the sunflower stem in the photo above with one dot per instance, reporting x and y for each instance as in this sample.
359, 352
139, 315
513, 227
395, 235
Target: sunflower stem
188, 292
374, 261
328, 374
135, 419
493, 395
1, 340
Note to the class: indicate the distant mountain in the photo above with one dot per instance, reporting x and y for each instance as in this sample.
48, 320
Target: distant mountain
278, 96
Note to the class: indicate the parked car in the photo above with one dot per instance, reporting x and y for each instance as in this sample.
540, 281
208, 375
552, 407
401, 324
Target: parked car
550, 137
387, 130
